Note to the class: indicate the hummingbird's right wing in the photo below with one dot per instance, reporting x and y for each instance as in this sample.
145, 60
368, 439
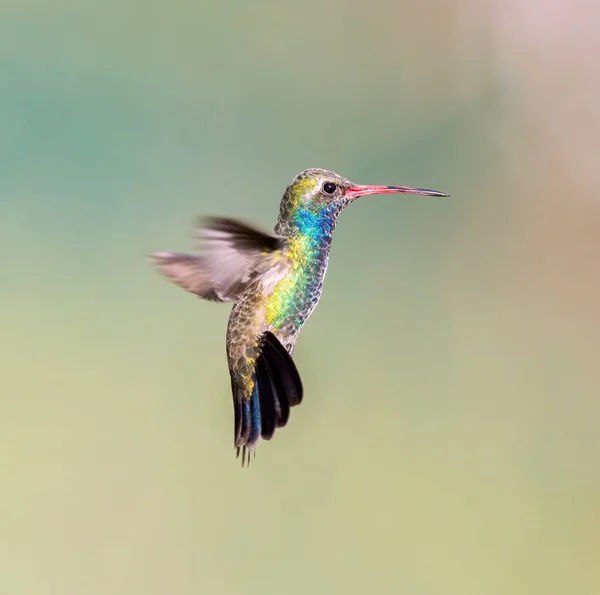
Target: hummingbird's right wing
231, 256
188, 271
237, 254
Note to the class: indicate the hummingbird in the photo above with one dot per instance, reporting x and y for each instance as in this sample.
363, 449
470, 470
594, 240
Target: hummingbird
275, 282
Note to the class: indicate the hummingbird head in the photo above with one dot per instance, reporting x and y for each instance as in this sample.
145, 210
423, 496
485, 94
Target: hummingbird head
318, 188
315, 198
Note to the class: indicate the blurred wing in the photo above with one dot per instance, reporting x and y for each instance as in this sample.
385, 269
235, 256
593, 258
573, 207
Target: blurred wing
187, 271
235, 254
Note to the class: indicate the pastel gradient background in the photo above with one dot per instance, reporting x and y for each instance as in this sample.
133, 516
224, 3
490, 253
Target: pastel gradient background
449, 439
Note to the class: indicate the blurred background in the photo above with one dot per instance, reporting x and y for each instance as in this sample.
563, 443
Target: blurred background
448, 441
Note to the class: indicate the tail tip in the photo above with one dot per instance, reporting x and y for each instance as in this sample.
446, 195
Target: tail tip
245, 452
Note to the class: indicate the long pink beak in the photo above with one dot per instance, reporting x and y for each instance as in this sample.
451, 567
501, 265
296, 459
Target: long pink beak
360, 190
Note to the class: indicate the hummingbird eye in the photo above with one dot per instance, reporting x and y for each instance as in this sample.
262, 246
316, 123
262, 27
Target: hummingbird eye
329, 188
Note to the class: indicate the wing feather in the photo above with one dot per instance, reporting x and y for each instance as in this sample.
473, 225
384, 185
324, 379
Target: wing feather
231, 255
236, 253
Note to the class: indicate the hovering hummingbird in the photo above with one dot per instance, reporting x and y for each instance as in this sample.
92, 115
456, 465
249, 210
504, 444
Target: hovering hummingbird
275, 282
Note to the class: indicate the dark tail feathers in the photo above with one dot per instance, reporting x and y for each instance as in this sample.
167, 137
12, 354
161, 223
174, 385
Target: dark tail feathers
277, 387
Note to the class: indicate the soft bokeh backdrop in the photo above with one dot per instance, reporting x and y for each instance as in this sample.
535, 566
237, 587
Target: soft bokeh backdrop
448, 442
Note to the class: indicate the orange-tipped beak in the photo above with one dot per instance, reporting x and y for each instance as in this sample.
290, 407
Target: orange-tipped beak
360, 190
